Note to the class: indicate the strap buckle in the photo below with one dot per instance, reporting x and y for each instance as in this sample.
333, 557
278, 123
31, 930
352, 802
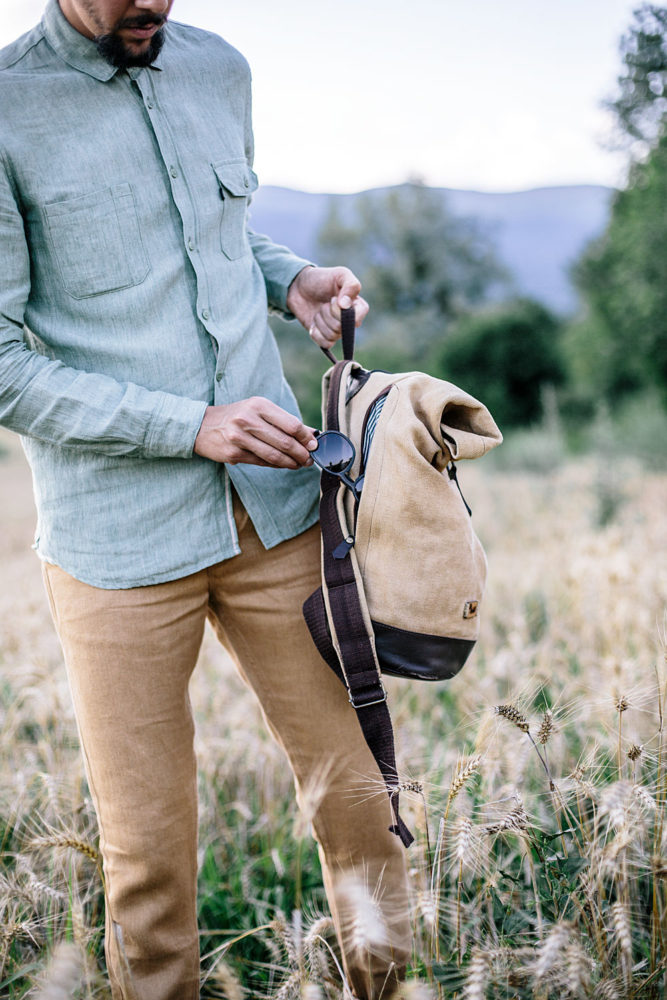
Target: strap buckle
365, 700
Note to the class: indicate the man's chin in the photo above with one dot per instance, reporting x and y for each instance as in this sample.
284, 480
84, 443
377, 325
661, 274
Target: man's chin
124, 54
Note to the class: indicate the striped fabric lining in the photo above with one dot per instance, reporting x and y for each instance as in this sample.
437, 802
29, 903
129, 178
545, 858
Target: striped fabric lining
371, 424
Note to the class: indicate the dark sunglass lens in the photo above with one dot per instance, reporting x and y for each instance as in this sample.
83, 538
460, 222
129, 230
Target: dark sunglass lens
333, 453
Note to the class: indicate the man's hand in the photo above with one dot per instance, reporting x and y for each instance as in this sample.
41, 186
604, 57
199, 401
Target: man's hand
257, 432
316, 297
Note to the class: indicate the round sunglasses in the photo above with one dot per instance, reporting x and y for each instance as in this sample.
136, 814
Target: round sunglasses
335, 454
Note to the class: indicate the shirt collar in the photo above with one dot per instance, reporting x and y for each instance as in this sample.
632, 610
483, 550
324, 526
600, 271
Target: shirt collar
74, 48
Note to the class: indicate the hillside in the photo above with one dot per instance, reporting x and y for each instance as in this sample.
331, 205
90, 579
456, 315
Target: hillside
537, 233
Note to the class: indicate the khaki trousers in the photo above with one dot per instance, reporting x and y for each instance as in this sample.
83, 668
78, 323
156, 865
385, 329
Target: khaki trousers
129, 656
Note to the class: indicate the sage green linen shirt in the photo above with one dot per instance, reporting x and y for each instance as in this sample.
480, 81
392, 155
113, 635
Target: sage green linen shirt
132, 295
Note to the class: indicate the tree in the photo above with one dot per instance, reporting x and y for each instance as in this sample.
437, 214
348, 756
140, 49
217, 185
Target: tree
620, 343
641, 104
505, 356
623, 276
421, 268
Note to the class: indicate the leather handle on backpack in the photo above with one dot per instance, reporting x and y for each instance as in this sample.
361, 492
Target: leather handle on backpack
348, 327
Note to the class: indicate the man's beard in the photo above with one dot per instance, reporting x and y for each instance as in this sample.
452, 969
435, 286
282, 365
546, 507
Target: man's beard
112, 48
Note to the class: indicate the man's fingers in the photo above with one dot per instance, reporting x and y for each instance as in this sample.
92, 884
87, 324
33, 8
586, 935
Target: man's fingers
320, 292
361, 309
322, 335
349, 288
325, 328
246, 458
281, 431
255, 431
327, 321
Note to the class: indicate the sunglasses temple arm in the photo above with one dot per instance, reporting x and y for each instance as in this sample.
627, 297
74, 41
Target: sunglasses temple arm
350, 483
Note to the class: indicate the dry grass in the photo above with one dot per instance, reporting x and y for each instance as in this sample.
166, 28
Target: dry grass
536, 779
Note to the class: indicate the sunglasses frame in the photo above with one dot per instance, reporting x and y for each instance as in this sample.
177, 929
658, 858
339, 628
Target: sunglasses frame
355, 485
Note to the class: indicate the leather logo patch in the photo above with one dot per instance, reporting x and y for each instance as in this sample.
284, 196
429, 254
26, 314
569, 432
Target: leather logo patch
470, 609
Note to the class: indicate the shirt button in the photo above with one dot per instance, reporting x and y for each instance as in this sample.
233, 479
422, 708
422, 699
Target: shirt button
205, 314
173, 171
191, 244
218, 377
245, 181
149, 105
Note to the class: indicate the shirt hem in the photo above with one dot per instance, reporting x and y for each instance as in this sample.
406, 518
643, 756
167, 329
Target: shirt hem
308, 523
147, 581
179, 574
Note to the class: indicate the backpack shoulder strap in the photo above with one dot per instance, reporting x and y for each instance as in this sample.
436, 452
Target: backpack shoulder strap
338, 619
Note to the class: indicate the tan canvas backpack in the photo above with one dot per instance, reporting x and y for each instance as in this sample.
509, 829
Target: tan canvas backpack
403, 571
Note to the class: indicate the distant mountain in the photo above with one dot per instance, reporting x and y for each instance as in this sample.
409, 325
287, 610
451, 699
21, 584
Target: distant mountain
537, 234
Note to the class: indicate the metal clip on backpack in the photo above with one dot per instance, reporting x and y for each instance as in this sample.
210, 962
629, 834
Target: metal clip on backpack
402, 569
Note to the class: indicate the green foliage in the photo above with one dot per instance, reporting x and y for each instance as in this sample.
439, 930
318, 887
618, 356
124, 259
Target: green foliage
619, 345
594, 361
623, 276
535, 449
640, 429
413, 257
642, 101
504, 355
609, 487
246, 886
420, 267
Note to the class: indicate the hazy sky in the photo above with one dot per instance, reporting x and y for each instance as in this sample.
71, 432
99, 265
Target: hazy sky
482, 94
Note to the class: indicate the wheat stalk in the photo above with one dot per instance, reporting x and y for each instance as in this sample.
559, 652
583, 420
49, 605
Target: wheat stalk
226, 979
476, 976
65, 974
513, 715
546, 730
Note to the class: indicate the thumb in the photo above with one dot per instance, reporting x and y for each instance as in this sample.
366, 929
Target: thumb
349, 288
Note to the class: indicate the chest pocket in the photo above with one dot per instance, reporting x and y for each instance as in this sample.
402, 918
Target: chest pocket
236, 182
96, 241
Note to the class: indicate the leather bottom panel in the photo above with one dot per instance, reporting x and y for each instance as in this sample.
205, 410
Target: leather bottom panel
419, 657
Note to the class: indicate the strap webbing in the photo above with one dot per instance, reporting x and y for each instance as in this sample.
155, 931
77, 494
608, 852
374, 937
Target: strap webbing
374, 719
357, 665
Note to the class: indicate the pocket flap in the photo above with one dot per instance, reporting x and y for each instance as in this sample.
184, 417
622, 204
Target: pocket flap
236, 177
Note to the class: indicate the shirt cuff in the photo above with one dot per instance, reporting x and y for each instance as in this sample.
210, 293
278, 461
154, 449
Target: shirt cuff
277, 286
173, 427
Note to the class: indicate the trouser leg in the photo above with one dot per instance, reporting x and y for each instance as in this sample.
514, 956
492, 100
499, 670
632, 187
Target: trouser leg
256, 600
129, 656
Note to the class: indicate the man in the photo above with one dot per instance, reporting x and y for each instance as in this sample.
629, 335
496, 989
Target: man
170, 464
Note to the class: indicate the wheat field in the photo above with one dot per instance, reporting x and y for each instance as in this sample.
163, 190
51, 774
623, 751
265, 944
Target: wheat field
536, 780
